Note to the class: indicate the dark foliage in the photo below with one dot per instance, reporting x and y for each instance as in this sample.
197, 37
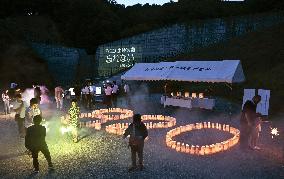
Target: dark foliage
89, 23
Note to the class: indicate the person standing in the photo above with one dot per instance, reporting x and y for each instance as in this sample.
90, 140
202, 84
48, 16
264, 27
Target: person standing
35, 142
89, 97
32, 111
20, 109
138, 132
74, 113
6, 100
85, 93
247, 121
59, 97
127, 93
114, 94
108, 93
37, 93
77, 91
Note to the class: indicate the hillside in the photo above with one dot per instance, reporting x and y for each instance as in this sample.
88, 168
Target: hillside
18, 62
261, 54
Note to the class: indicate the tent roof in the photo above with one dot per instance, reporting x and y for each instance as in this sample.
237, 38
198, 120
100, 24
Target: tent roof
229, 71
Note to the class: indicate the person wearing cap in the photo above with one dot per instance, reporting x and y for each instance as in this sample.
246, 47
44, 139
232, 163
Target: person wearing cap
138, 132
35, 142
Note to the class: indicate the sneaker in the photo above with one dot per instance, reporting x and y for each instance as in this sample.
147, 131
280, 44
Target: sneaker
35, 171
131, 169
256, 148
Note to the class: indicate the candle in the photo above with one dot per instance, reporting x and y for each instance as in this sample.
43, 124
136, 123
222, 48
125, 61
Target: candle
192, 149
182, 147
187, 149
197, 150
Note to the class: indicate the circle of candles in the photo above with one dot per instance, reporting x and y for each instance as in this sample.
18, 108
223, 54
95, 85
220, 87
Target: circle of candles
205, 149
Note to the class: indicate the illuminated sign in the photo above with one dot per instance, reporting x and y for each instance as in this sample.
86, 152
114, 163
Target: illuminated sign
123, 56
98, 90
115, 58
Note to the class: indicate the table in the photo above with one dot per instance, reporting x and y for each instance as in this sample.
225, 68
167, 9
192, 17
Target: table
204, 103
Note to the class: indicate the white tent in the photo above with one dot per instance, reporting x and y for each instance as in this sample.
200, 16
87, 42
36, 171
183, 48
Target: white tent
229, 71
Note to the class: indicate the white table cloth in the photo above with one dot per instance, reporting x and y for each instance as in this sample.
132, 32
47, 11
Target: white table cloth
186, 103
204, 103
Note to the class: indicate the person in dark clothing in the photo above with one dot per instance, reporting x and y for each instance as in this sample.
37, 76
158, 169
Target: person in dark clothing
20, 110
37, 93
35, 142
77, 91
138, 132
247, 120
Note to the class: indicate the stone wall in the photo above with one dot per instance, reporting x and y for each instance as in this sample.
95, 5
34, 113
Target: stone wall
177, 39
62, 62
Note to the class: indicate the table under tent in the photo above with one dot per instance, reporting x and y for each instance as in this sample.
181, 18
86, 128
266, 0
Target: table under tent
226, 71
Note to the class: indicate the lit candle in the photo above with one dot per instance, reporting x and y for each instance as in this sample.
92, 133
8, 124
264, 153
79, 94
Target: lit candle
182, 147
202, 150
207, 150
178, 147
187, 148
227, 128
192, 149
197, 150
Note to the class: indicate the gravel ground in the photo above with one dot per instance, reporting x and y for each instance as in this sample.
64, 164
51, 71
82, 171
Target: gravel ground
102, 155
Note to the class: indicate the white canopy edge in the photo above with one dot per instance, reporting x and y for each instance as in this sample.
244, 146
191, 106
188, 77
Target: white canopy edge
229, 71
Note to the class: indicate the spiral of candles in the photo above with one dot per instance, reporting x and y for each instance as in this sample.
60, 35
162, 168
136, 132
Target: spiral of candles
206, 149
96, 124
162, 122
102, 116
109, 114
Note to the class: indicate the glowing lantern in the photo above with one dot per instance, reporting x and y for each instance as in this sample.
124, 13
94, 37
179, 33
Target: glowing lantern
187, 148
186, 94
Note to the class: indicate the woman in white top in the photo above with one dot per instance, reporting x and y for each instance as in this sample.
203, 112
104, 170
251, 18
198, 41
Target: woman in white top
6, 100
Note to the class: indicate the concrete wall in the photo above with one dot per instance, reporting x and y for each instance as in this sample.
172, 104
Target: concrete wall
181, 38
62, 62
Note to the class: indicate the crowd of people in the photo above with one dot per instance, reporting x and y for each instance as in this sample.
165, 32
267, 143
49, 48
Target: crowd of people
29, 120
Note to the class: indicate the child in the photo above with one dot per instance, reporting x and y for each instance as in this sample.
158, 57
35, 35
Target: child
35, 142
138, 132
74, 113
32, 111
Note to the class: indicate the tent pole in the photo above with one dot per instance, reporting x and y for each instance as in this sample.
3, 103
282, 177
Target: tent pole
230, 86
